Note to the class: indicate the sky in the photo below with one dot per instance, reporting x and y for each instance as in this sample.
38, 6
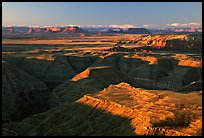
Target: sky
122, 14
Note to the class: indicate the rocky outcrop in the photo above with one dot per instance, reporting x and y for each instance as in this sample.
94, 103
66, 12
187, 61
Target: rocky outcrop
91, 80
168, 42
194, 45
117, 108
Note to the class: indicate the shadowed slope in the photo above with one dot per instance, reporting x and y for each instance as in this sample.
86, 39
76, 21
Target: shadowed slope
73, 120
92, 80
22, 95
149, 71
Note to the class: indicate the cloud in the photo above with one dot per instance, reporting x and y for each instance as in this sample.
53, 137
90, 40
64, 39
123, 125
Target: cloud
185, 24
122, 26
92, 26
148, 25
72, 25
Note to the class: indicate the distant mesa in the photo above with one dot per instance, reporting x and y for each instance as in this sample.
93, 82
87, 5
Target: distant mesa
73, 29
97, 30
7, 30
137, 31
31, 30
129, 31
68, 29
14, 29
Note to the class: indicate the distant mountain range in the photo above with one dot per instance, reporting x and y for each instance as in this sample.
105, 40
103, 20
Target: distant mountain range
175, 30
68, 29
97, 30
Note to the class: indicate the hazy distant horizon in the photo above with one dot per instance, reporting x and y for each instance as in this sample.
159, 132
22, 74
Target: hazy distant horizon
104, 14
105, 26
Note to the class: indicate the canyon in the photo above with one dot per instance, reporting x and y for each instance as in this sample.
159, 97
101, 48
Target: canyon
118, 85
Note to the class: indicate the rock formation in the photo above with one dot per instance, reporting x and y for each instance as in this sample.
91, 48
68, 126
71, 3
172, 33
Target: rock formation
145, 85
137, 31
74, 29
31, 30
115, 109
148, 71
170, 42
91, 80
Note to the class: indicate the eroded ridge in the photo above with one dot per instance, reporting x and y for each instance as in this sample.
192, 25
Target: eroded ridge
150, 114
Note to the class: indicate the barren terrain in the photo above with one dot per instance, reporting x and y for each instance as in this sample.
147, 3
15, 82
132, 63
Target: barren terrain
114, 85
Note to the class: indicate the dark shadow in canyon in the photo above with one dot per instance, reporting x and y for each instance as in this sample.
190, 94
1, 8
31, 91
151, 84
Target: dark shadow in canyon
76, 119
60, 71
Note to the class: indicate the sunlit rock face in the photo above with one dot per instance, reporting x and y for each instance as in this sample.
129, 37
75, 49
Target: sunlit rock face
73, 30
139, 111
92, 80
169, 42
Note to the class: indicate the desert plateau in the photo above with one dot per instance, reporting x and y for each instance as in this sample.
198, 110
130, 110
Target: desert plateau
102, 69
150, 84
